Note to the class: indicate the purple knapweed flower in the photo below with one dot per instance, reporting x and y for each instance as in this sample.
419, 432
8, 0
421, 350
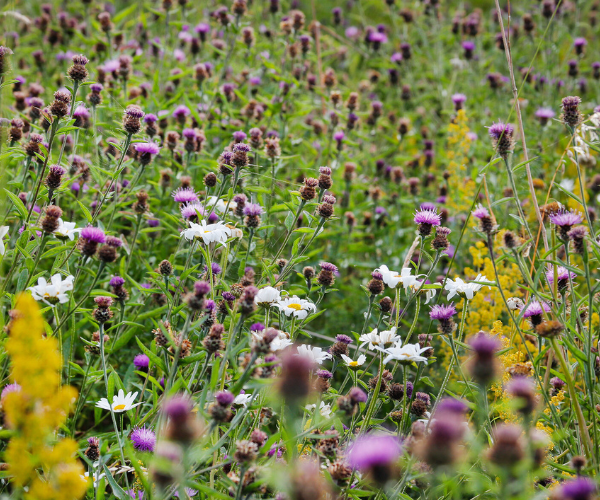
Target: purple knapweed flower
253, 209
442, 312
184, 195
141, 362
93, 234
143, 439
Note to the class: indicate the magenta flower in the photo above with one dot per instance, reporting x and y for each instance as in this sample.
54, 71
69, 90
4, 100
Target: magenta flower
442, 312
143, 439
430, 217
374, 451
185, 195
147, 148
93, 234
481, 212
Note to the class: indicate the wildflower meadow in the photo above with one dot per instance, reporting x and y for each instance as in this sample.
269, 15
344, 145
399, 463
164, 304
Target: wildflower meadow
299, 249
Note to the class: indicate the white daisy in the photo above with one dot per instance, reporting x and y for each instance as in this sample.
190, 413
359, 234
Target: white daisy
66, 230
370, 338
299, 308
354, 364
242, 399
280, 343
324, 409
315, 354
210, 233
219, 205
467, 290
406, 353
268, 296
53, 292
3, 233
388, 337
120, 402
86, 477
429, 292
383, 338
393, 279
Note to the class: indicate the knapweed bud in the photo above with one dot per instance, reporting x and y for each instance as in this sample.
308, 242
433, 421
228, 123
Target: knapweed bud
487, 224
78, 72
60, 105
308, 191
165, 268
102, 313
252, 211
93, 449
578, 235
132, 119
50, 222
376, 285
502, 138
440, 242
571, 116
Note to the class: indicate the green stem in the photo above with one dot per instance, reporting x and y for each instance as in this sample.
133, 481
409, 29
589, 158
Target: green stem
112, 412
374, 397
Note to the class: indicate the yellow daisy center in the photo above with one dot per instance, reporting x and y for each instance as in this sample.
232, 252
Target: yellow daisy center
353, 363
119, 407
297, 307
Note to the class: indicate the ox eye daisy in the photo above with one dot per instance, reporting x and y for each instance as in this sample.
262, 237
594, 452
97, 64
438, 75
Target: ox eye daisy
120, 403
296, 307
208, 233
52, 292
350, 363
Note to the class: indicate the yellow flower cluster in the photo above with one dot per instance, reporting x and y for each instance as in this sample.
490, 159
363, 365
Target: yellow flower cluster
512, 361
487, 304
37, 410
459, 144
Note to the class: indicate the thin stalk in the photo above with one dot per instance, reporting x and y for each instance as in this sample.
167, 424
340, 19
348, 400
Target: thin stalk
374, 397
112, 412
583, 430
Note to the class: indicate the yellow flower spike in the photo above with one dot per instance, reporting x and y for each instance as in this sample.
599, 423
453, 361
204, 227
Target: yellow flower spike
36, 410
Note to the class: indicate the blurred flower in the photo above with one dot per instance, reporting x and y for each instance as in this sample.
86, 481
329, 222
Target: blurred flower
3, 232
315, 354
324, 409
467, 290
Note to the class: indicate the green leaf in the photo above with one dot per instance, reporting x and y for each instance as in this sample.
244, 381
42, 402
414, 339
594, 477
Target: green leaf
289, 221
116, 489
85, 211
17, 203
